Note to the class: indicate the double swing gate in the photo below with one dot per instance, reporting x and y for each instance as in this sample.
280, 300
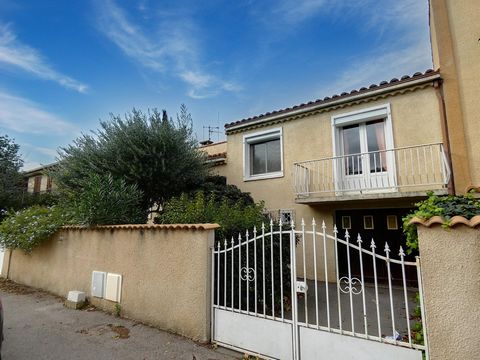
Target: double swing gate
286, 293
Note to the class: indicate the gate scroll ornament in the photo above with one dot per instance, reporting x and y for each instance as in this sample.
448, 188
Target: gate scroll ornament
247, 274
353, 285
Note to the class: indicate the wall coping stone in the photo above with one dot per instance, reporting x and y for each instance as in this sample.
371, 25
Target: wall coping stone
145, 227
454, 221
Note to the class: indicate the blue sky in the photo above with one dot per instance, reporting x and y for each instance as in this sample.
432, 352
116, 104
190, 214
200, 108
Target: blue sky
66, 64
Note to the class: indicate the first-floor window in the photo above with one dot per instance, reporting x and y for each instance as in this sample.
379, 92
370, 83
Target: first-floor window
346, 223
263, 154
368, 222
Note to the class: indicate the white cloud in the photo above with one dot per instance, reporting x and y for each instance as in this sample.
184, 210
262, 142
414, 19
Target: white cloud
295, 11
23, 116
171, 49
377, 67
45, 151
404, 55
15, 54
379, 15
35, 156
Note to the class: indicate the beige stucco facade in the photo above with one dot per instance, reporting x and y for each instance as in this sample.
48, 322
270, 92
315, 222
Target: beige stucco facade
215, 148
216, 157
166, 271
416, 119
455, 35
450, 263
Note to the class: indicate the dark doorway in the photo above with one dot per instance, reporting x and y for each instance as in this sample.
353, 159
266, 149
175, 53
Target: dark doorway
381, 225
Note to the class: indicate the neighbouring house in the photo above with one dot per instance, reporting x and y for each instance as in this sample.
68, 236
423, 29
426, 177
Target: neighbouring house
38, 181
216, 152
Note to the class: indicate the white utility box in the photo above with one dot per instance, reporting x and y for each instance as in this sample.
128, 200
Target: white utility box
76, 296
98, 283
113, 289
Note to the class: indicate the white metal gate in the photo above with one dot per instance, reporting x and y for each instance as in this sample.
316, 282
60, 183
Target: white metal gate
326, 312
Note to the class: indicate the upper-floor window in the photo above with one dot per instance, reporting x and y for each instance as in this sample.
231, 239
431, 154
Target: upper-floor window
263, 154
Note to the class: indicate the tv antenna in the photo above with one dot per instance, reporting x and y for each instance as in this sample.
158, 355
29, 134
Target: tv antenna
211, 130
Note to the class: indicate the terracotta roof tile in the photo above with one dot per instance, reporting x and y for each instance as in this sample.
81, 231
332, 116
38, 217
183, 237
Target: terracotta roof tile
383, 84
454, 221
213, 144
218, 155
473, 188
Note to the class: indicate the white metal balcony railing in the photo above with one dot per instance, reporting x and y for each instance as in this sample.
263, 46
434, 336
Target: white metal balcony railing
417, 168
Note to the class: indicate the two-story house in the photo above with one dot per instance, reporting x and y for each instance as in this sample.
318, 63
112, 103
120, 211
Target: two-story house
362, 159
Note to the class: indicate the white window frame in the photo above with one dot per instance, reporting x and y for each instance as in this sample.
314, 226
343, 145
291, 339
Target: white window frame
258, 137
362, 116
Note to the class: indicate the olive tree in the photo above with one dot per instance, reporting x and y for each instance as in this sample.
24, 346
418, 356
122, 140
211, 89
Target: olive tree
149, 150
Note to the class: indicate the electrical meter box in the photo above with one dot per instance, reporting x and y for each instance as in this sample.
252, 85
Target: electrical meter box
113, 289
98, 283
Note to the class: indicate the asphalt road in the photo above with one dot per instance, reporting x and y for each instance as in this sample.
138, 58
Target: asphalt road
38, 326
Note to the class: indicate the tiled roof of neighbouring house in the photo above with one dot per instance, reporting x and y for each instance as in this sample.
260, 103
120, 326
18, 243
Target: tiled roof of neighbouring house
217, 156
330, 99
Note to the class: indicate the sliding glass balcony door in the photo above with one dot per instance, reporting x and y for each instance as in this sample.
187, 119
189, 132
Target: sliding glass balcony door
364, 161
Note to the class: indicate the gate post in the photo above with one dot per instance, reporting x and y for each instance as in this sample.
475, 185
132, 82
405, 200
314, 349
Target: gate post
293, 285
450, 266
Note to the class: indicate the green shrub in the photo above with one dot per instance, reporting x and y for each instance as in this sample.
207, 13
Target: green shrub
236, 214
103, 200
233, 217
41, 199
217, 186
417, 328
27, 228
445, 206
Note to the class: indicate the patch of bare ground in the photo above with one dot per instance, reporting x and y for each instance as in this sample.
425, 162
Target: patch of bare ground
120, 332
14, 288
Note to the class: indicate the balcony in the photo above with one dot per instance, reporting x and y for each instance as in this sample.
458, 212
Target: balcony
401, 172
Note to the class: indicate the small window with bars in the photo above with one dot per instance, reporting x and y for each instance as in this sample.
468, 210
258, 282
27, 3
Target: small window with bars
286, 215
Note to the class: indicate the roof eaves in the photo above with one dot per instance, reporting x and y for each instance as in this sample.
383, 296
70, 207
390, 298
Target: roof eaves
374, 89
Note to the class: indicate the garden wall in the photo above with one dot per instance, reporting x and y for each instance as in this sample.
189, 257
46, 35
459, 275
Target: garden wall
450, 263
166, 271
